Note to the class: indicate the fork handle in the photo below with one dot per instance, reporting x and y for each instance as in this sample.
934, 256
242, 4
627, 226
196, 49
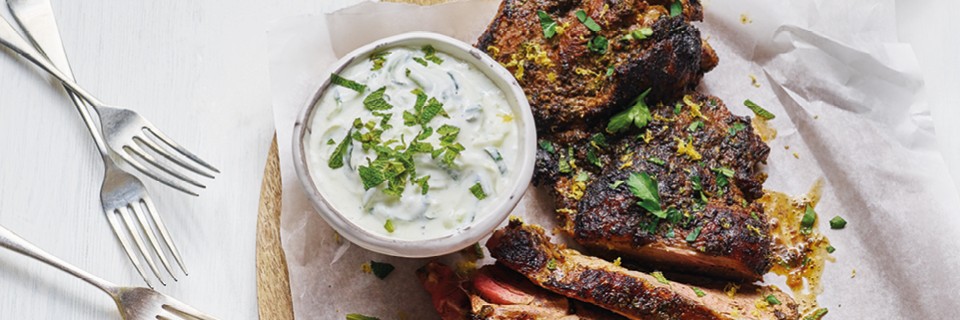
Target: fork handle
11, 39
12, 241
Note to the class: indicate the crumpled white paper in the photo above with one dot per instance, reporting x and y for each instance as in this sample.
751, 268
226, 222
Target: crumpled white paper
846, 98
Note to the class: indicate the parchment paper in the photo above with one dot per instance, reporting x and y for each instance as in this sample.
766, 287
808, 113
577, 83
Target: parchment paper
846, 96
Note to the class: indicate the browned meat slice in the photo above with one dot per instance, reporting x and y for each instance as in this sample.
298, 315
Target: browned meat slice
571, 79
527, 250
497, 293
704, 161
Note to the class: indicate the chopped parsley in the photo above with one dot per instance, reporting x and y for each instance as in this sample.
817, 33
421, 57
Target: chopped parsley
638, 115
644, 187
424, 183
552, 264
638, 34
724, 171
548, 24
609, 73
656, 161
772, 300
659, 276
699, 292
381, 269
676, 8
758, 110
389, 226
817, 315
477, 191
599, 140
378, 58
331, 142
736, 127
694, 235
837, 223
430, 54
357, 316
809, 217
616, 184
582, 176
420, 61
587, 21
593, 159
598, 44
547, 146
696, 125
831, 249
346, 83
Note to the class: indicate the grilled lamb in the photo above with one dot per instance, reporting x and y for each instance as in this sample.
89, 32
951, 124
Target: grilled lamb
705, 162
569, 80
527, 250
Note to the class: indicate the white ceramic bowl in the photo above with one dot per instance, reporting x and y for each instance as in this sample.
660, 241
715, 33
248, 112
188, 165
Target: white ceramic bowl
472, 232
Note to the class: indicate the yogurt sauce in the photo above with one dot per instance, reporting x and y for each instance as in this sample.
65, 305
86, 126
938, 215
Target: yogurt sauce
488, 135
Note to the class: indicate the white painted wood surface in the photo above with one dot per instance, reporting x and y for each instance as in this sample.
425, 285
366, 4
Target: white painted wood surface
197, 70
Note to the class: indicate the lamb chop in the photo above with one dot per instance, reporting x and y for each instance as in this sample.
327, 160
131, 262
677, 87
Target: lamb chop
596, 62
527, 250
497, 293
704, 163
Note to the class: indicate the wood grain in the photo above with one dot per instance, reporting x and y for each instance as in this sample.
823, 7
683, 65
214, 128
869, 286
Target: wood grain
273, 281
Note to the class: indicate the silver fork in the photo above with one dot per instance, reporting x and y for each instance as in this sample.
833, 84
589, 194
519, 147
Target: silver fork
134, 303
122, 194
124, 131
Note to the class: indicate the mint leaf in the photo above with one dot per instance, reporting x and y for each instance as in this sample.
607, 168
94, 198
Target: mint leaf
346, 83
336, 159
375, 101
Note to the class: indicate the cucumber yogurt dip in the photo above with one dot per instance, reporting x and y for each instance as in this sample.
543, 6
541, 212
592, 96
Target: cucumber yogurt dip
411, 143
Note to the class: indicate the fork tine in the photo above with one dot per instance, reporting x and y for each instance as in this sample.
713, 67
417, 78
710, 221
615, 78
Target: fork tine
180, 149
151, 237
154, 174
164, 233
180, 308
135, 149
166, 154
115, 225
139, 242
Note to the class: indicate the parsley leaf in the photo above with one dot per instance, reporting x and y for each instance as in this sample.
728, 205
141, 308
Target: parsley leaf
552, 264
587, 21
616, 184
593, 159
699, 292
645, 188
346, 83
546, 22
772, 300
477, 191
837, 223
547, 146
638, 115
676, 8
696, 125
694, 235
336, 159
598, 44
809, 217
659, 276
656, 161
735, 128
758, 110
638, 34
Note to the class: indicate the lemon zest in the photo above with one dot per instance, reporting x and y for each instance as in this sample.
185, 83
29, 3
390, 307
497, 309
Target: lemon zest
626, 160
694, 107
686, 148
493, 50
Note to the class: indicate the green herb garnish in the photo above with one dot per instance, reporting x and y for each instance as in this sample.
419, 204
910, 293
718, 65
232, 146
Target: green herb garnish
375, 101
357, 316
331, 142
659, 276
582, 176
693, 235
699, 292
593, 159
430, 54
758, 110
837, 223
477, 191
370, 177
381, 269
546, 22
587, 21
616, 184
638, 115
736, 127
645, 188
676, 8
420, 61
378, 59
346, 83
831, 249
424, 184
696, 125
598, 44
547, 146
809, 217
772, 300
552, 264
336, 159
637, 34
817, 315
724, 171
656, 161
